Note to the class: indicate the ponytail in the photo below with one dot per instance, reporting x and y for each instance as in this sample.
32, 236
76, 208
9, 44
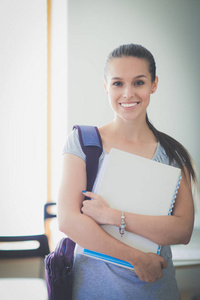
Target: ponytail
174, 150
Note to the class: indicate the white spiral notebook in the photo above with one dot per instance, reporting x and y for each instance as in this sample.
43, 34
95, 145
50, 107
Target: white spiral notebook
135, 184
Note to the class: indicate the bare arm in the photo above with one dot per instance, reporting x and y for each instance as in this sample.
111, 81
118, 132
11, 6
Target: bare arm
87, 233
163, 230
79, 227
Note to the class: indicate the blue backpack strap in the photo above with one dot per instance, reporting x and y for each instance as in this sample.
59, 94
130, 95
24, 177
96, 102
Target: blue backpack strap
91, 144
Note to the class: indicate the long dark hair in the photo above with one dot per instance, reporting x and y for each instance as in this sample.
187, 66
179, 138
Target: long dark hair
174, 150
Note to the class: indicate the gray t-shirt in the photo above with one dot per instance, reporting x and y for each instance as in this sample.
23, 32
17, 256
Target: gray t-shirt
95, 279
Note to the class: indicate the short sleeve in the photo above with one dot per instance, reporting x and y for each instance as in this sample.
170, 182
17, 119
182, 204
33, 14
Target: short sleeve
162, 157
73, 146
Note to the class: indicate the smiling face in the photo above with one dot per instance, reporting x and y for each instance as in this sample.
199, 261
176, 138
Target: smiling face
129, 87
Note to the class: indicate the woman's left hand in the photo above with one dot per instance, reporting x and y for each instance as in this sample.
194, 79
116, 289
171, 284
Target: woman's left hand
97, 208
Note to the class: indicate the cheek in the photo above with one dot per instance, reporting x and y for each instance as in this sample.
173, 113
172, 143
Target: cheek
113, 95
145, 94
113, 100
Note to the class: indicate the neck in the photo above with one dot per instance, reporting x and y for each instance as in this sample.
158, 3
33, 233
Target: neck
135, 131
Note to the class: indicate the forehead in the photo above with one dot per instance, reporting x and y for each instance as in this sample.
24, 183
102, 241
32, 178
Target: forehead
127, 66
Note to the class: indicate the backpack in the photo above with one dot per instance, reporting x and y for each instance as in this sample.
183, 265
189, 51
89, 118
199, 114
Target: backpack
59, 263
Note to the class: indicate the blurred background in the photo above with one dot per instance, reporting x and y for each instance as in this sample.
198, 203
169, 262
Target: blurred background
51, 77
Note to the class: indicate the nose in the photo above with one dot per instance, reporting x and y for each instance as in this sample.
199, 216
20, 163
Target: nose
128, 92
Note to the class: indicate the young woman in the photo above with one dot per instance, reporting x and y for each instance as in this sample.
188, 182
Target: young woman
130, 79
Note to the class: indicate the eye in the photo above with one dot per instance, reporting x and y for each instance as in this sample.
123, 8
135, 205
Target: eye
117, 83
139, 82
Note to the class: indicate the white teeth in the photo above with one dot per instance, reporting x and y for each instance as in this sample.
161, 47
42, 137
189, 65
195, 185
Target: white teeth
128, 104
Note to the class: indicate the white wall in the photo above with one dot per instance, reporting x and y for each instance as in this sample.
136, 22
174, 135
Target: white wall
169, 29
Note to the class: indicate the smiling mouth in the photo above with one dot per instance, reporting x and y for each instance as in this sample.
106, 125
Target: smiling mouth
127, 105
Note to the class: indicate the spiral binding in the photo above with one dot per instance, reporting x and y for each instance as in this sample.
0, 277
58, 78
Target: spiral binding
172, 204
174, 196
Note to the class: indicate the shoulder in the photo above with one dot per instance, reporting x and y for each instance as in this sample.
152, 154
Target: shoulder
162, 157
73, 146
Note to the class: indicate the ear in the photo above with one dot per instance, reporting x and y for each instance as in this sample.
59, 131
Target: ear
105, 86
154, 85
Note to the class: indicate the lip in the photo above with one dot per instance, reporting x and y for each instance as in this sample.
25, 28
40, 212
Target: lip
128, 105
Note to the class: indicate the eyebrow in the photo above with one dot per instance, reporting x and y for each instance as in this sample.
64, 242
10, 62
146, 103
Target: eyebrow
119, 78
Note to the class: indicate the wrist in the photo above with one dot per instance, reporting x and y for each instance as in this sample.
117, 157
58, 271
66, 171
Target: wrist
114, 217
134, 256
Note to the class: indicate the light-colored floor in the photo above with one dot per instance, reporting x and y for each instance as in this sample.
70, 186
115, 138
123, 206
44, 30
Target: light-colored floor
190, 296
23, 289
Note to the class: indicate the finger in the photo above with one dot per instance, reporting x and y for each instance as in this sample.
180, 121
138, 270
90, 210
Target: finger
164, 264
89, 194
84, 206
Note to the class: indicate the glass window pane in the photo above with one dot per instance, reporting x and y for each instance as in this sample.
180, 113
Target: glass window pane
22, 116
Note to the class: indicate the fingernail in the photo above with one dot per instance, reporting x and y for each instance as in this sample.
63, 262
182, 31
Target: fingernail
84, 192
